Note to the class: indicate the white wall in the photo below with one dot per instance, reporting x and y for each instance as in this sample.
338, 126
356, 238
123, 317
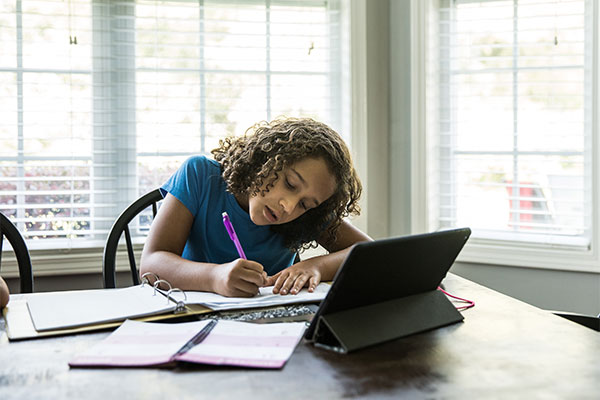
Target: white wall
370, 111
548, 289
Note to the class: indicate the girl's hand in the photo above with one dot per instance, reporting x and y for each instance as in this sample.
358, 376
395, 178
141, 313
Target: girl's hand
239, 278
292, 279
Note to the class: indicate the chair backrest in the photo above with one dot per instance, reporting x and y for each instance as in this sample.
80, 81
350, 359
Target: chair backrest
10, 231
121, 226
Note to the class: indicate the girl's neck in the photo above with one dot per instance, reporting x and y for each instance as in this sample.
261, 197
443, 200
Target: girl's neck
242, 200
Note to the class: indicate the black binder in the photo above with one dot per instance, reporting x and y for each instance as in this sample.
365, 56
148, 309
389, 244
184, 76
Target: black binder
387, 289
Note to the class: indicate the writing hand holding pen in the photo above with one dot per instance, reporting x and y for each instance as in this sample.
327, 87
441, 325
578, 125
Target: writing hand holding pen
248, 276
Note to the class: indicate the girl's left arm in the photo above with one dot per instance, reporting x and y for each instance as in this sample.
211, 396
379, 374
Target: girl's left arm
321, 268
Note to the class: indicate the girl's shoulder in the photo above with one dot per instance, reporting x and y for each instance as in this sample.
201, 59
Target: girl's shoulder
201, 160
202, 164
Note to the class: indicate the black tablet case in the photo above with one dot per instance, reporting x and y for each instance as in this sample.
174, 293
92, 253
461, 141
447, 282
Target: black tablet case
387, 289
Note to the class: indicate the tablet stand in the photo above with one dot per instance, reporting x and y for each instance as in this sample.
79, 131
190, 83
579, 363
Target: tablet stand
349, 330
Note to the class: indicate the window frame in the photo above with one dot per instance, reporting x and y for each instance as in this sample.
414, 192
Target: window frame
423, 137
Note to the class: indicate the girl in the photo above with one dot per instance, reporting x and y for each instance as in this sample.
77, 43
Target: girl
284, 185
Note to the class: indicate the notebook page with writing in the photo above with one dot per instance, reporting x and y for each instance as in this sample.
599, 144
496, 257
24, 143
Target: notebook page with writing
265, 298
58, 310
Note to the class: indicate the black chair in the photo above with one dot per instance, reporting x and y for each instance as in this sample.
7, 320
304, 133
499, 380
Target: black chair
10, 231
586, 320
121, 226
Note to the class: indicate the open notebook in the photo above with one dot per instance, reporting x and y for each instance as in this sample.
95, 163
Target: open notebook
242, 344
71, 309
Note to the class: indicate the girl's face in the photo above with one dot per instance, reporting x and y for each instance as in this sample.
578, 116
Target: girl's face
300, 187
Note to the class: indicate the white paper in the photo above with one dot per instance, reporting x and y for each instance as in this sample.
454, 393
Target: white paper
69, 309
57, 310
265, 298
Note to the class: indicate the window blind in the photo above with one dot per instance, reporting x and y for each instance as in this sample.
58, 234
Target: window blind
100, 101
515, 119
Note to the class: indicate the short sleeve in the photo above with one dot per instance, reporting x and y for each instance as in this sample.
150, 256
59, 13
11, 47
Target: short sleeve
186, 184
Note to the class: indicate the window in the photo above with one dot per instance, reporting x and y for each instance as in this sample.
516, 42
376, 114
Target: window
514, 130
100, 101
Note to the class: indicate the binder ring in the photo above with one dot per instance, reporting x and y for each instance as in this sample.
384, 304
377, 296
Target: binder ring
157, 283
145, 278
180, 307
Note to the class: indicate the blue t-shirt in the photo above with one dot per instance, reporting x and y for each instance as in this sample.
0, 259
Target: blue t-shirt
198, 184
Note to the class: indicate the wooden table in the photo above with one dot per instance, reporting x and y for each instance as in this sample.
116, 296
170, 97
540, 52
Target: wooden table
504, 349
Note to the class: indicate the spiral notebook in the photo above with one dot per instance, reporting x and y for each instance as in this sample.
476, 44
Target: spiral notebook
78, 308
222, 342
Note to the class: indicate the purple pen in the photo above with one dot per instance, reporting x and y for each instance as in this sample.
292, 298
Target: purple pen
233, 236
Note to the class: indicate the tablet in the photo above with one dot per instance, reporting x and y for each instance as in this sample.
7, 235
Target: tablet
387, 269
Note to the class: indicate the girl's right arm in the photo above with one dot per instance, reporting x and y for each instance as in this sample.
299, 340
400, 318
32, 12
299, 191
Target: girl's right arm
162, 256
4, 293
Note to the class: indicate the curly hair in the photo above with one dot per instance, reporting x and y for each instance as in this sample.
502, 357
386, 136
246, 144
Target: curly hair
251, 164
